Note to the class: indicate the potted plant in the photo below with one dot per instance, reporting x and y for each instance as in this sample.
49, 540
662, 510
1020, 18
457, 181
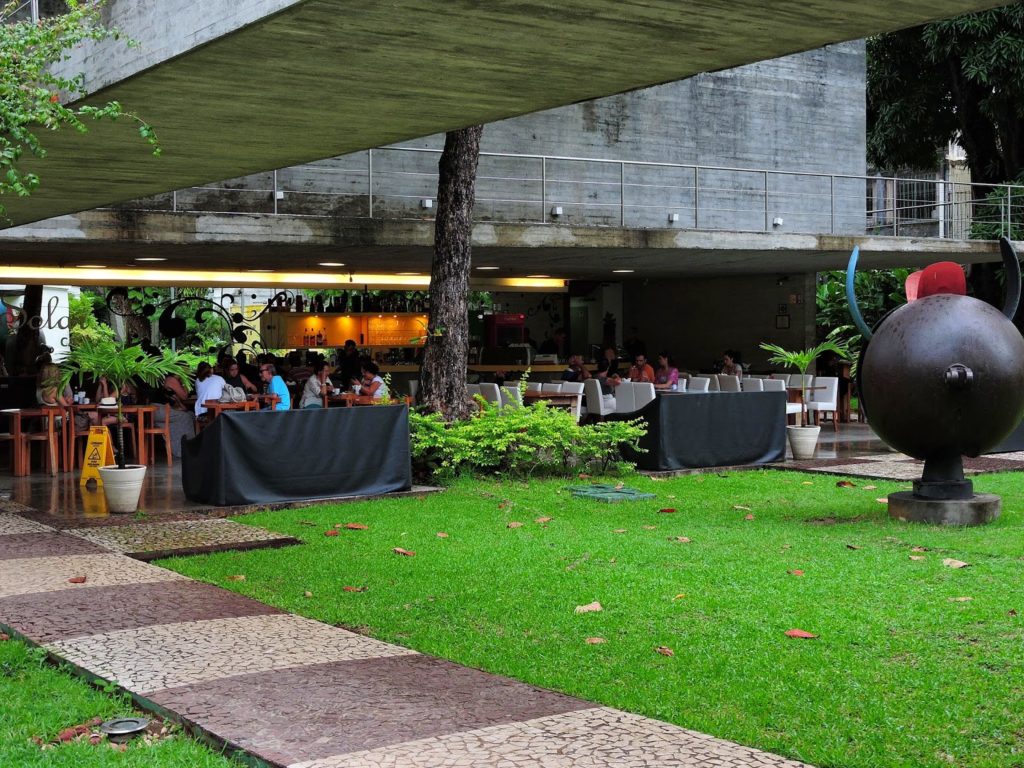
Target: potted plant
98, 356
803, 438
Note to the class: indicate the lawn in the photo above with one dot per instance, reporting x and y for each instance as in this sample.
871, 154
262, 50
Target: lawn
40, 701
915, 663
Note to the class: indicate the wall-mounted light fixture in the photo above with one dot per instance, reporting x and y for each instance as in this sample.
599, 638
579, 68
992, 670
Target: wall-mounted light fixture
279, 194
777, 221
426, 203
673, 218
556, 210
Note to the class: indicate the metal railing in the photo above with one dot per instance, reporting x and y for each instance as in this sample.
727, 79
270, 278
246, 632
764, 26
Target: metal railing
401, 183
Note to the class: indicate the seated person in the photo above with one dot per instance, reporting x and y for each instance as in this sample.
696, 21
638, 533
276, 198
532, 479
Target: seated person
731, 366
180, 419
209, 386
297, 372
576, 370
609, 363
371, 383
667, 375
316, 387
641, 370
236, 378
609, 383
275, 386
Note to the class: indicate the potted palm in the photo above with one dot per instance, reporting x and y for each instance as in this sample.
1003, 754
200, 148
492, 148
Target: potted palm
803, 437
98, 356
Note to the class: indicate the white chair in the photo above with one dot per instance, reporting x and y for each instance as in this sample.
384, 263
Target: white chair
598, 405
713, 383
778, 385
682, 385
414, 388
473, 390
574, 388
783, 377
698, 384
511, 397
643, 393
752, 385
825, 400
533, 386
727, 383
490, 393
553, 388
625, 400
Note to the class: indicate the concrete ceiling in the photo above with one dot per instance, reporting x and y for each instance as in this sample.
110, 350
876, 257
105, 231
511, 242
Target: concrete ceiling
238, 243
319, 78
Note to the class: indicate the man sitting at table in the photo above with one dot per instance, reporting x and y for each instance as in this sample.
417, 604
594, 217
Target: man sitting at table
275, 386
575, 371
209, 386
641, 370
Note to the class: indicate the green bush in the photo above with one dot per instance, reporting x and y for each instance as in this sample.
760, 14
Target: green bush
519, 441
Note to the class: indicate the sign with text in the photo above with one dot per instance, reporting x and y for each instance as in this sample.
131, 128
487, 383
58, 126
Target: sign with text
98, 453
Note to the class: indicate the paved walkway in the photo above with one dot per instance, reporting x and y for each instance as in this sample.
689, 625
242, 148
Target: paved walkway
298, 693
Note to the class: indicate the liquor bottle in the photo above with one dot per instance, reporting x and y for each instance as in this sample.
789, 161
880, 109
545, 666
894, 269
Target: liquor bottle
343, 301
357, 302
299, 307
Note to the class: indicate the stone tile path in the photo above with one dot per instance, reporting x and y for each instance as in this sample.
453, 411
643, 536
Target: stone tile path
897, 466
299, 694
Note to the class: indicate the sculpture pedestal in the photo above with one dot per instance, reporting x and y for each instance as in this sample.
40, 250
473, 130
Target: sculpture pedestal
978, 509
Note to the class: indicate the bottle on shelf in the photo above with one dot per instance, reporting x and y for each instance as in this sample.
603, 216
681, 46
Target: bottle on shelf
299, 303
320, 338
357, 302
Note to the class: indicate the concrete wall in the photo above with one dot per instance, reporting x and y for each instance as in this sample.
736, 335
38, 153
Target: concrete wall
799, 113
697, 319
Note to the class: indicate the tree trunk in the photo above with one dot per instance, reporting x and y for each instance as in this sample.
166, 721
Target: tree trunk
443, 377
27, 344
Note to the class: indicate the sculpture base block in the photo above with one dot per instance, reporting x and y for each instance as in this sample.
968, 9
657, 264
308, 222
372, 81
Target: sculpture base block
977, 510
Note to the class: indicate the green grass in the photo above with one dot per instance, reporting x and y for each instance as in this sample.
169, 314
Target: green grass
899, 676
39, 700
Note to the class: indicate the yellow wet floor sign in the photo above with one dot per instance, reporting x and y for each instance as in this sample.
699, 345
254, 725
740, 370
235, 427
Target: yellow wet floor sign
98, 453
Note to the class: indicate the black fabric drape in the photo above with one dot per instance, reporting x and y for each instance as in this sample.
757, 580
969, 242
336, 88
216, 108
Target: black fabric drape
716, 429
296, 455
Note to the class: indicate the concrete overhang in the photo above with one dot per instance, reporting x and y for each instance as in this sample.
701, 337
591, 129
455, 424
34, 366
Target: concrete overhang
241, 242
239, 86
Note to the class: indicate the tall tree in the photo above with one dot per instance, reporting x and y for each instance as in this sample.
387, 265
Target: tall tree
443, 376
960, 79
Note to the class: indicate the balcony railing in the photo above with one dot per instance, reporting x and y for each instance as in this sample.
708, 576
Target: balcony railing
401, 183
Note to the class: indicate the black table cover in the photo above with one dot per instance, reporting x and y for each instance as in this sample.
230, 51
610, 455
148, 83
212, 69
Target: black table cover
716, 429
1012, 442
279, 456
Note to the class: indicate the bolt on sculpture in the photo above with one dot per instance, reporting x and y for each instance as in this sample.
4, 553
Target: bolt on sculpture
942, 377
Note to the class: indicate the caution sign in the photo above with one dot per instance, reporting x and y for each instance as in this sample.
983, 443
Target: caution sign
98, 453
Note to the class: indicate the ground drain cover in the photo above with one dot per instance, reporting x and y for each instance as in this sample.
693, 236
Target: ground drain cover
608, 493
124, 728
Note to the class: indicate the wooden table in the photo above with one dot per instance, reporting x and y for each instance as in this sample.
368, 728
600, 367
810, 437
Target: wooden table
215, 407
138, 411
347, 399
556, 399
17, 438
267, 401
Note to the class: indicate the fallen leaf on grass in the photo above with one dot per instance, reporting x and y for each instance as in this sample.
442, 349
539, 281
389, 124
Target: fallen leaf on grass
680, 596
795, 572
917, 557
1012, 612
920, 549
620, 530
741, 506
806, 482
583, 476
514, 524
748, 516
882, 500
442, 535
664, 650
307, 593
306, 522
670, 496
543, 520
800, 634
404, 552
619, 486
4, 637
505, 504
683, 539
845, 484
596, 640
960, 599
331, 532
869, 487
649, 527
356, 526
949, 562
354, 589
589, 607
76, 580
236, 577
667, 511
853, 546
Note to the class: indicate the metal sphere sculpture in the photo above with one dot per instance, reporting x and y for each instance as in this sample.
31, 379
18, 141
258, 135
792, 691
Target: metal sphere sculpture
942, 376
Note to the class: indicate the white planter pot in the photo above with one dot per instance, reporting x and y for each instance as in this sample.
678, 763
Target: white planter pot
803, 441
122, 487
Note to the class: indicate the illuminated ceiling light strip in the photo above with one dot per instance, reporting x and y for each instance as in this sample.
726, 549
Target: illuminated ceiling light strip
143, 276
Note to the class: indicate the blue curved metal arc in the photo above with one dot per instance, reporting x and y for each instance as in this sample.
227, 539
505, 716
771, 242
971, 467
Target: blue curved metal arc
851, 296
1011, 266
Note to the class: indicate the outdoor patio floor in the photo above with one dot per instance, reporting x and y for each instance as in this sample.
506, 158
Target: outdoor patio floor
294, 692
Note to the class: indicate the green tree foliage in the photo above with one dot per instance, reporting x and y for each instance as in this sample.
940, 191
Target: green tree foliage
961, 78
878, 291
34, 99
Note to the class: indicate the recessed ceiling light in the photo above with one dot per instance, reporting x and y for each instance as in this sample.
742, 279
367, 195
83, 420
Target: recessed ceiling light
620, 271
92, 266
259, 270
408, 274
332, 264
538, 275
488, 267
151, 258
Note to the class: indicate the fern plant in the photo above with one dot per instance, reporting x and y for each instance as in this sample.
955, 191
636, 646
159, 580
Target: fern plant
99, 356
802, 359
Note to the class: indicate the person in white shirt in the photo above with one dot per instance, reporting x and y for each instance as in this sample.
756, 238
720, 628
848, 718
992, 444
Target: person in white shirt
209, 386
